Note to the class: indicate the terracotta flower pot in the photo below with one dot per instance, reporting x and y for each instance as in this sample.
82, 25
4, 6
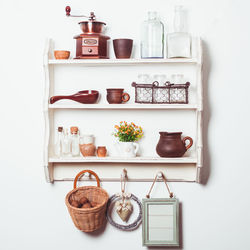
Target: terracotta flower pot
123, 48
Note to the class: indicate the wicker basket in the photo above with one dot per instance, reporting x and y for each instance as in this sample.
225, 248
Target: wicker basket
88, 219
169, 93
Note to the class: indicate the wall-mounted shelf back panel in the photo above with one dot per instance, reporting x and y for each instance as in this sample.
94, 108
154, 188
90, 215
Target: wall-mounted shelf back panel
141, 168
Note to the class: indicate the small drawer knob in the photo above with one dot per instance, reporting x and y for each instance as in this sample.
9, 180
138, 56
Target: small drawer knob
90, 50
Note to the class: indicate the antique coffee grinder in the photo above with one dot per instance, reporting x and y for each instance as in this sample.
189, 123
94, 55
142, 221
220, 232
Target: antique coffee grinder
91, 44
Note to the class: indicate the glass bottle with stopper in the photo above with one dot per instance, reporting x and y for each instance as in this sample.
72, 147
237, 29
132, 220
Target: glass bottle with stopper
179, 42
58, 143
75, 149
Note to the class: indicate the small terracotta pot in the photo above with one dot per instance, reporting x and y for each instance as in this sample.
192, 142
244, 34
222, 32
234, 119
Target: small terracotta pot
123, 48
117, 96
61, 54
101, 151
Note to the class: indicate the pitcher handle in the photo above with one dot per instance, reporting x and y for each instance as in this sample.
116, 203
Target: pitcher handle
190, 142
136, 147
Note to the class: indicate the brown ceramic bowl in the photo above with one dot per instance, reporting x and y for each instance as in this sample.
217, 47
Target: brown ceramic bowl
61, 54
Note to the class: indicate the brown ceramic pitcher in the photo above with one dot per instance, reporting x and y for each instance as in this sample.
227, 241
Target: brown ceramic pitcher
172, 145
117, 96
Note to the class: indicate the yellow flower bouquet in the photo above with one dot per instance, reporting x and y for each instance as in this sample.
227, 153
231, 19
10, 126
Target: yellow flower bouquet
128, 132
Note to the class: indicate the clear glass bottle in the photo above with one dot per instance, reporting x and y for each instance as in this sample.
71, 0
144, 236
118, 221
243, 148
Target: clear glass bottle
66, 143
152, 37
179, 42
58, 143
75, 148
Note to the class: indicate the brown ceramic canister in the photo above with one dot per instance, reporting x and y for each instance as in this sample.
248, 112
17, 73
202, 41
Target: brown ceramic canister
101, 151
117, 96
172, 145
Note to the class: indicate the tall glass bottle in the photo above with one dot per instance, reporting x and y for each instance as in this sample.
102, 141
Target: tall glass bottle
75, 148
179, 42
58, 143
66, 143
152, 37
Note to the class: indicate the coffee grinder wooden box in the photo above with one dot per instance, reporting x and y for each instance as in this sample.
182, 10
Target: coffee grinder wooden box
91, 46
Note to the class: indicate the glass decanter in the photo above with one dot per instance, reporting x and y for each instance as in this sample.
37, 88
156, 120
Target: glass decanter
152, 37
179, 42
58, 143
75, 148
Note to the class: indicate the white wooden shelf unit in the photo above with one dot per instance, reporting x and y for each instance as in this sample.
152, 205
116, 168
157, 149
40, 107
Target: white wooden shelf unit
179, 169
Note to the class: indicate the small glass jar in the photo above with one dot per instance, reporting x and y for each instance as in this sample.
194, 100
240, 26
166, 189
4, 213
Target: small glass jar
177, 79
161, 79
144, 79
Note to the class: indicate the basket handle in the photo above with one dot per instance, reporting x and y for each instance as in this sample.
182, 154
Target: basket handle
86, 171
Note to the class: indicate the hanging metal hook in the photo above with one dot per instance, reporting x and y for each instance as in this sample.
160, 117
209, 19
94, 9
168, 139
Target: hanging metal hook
160, 175
123, 180
123, 183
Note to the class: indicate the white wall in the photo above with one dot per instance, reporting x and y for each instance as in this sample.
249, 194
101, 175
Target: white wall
33, 214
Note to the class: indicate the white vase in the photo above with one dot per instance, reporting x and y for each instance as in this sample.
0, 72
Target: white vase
127, 149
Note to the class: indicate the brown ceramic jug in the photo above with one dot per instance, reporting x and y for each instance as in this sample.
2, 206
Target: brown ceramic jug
171, 144
117, 96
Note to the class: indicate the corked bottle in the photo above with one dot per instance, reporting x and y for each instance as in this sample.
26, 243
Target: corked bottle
58, 144
75, 151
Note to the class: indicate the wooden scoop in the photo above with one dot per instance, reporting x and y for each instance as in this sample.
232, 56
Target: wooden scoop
85, 96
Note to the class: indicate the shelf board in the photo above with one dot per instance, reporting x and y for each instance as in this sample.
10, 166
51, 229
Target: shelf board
124, 106
123, 160
94, 62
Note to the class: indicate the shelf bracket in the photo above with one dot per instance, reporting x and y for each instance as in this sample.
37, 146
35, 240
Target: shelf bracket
48, 169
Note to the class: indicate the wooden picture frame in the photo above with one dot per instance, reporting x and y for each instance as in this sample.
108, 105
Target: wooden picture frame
160, 223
